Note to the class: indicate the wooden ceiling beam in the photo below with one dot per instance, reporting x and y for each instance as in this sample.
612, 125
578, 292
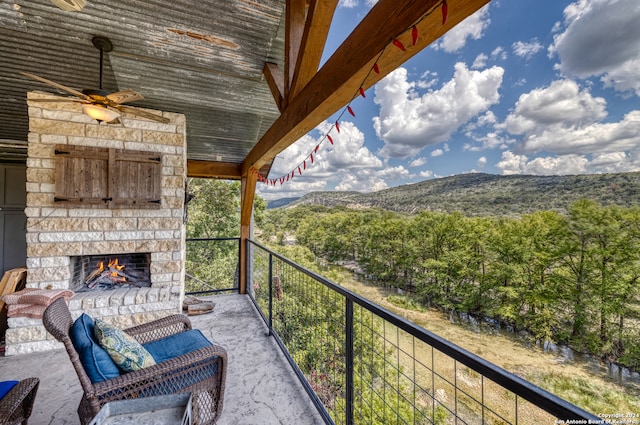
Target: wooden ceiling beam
295, 22
314, 39
338, 81
211, 169
275, 79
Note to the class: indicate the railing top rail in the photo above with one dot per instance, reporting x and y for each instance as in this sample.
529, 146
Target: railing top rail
525, 389
212, 239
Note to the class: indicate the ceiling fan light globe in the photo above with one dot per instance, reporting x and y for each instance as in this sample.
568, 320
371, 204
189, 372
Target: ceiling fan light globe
99, 113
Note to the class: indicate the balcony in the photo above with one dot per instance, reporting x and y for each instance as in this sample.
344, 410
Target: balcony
260, 387
359, 363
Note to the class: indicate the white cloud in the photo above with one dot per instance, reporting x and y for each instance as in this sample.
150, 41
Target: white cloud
491, 140
480, 61
482, 162
472, 27
520, 82
418, 162
347, 164
565, 120
427, 174
526, 49
561, 104
560, 165
408, 122
353, 182
590, 139
601, 38
499, 53
348, 4
614, 162
437, 152
352, 4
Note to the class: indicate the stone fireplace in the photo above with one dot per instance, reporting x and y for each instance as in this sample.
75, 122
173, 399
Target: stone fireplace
67, 237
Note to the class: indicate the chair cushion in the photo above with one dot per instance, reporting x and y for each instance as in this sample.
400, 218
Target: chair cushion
5, 387
177, 345
95, 360
124, 350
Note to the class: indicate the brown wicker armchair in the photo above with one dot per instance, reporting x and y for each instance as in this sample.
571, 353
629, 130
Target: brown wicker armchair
201, 372
17, 404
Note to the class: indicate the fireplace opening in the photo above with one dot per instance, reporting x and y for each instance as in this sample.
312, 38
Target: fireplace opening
106, 272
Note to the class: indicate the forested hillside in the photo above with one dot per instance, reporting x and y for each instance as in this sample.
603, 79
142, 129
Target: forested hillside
570, 278
487, 194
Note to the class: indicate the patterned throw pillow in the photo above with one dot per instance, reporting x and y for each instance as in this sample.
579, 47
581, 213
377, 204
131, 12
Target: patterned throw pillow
125, 351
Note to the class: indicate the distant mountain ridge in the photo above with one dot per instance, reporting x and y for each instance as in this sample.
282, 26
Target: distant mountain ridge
487, 194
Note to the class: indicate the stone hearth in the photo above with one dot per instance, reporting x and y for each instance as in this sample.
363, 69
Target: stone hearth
57, 231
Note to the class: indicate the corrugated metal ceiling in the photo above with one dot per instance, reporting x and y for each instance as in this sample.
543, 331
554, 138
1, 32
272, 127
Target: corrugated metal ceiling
200, 58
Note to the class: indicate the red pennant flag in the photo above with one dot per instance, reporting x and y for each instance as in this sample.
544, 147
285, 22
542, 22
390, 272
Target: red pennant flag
376, 68
293, 173
351, 111
414, 35
281, 181
399, 44
312, 158
330, 139
299, 170
304, 165
362, 92
287, 177
445, 11
338, 126
316, 149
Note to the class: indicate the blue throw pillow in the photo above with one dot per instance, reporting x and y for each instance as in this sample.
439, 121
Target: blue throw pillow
124, 350
96, 361
5, 387
177, 345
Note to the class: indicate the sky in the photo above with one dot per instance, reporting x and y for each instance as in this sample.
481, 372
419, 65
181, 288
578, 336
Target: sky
538, 87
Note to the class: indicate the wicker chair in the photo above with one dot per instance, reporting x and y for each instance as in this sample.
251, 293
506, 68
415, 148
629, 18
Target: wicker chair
201, 372
17, 404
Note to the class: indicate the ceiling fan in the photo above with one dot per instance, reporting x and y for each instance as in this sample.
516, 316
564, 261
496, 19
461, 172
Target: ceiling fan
100, 104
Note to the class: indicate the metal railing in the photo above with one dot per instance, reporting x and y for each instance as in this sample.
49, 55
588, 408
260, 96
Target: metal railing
362, 364
212, 265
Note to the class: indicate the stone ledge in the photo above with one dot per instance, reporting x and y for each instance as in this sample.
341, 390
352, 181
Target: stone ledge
32, 347
27, 335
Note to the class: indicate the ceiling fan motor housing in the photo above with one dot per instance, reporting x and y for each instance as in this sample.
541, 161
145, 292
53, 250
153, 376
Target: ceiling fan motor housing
70, 5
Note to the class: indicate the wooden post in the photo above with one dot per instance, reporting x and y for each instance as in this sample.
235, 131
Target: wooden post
247, 193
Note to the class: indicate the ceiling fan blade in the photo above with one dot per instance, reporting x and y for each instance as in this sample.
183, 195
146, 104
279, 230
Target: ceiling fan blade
142, 114
123, 96
58, 86
69, 99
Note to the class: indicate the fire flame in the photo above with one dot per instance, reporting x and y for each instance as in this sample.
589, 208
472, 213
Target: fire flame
114, 265
114, 276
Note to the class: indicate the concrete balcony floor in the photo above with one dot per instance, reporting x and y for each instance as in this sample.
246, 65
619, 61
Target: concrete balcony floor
261, 388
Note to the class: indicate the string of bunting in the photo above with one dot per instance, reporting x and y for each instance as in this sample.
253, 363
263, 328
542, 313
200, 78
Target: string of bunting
311, 158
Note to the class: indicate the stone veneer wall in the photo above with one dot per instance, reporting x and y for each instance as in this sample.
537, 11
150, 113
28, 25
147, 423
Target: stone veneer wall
55, 232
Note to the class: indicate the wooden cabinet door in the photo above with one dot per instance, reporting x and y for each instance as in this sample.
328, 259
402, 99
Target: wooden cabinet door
115, 178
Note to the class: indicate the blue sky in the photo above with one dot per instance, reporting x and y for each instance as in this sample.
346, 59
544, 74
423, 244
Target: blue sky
542, 87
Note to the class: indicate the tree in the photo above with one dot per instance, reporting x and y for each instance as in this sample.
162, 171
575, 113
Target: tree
214, 212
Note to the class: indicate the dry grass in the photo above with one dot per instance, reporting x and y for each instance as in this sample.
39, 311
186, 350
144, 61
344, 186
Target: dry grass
575, 382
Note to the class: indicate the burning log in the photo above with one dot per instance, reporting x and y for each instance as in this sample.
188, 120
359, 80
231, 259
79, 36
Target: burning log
112, 274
